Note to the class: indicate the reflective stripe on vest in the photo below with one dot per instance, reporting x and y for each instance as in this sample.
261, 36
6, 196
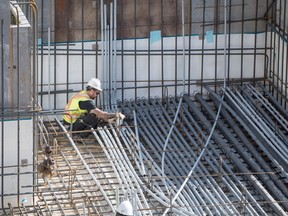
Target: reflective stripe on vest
73, 109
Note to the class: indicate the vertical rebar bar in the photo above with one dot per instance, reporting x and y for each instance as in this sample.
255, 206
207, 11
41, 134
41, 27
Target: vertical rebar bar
115, 53
82, 45
42, 51
2, 110
67, 43
143, 172
286, 60
102, 48
176, 51
202, 37
49, 69
216, 41
55, 56
110, 92
183, 41
190, 21
135, 50
255, 40
122, 49
149, 47
242, 41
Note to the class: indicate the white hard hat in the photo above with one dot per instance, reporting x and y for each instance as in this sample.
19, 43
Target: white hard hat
95, 83
125, 208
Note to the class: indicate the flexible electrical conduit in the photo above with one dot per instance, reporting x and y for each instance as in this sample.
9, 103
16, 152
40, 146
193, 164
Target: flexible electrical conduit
159, 196
218, 112
109, 157
115, 54
258, 120
156, 145
157, 142
126, 170
85, 164
272, 110
138, 143
120, 153
166, 142
178, 144
180, 102
255, 182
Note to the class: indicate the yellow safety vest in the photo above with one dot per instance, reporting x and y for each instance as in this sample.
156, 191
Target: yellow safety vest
73, 109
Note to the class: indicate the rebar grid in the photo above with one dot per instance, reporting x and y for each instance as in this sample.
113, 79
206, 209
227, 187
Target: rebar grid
237, 174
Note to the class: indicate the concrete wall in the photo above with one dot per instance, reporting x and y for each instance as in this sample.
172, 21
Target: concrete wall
20, 69
17, 155
16, 135
137, 74
16, 50
45, 19
80, 20
5, 52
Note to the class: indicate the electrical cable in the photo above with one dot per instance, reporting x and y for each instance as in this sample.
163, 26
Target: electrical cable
216, 118
180, 102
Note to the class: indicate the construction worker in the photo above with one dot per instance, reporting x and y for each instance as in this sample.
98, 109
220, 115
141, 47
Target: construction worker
124, 209
82, 111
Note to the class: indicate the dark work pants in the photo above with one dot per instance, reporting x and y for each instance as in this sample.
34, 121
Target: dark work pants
85, 123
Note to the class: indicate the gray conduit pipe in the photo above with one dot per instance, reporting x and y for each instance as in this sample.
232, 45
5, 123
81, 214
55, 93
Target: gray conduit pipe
106, 59
184, 199
153, 140
125, 138
219, 197
110, 74
265, 178
110, 159
193, 124
125, 168
2, 109
85, 164
218, 113
234, 110
191, 203
167, 140
183, 38
197, 161
158, 144
253, 180
184, 62
217, 202
102, 47
262, 190
119, 152
177, 145
255, 120
143, 172
115, 54
268, 106
273, 127
49, 69
158, 195
251, 148
273, 100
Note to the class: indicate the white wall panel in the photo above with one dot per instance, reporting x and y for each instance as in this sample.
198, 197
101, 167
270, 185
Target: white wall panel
205, 62
13, 141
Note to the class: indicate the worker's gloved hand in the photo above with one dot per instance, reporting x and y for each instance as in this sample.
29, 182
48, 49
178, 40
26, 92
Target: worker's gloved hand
119, 119
119, 115
111, 120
